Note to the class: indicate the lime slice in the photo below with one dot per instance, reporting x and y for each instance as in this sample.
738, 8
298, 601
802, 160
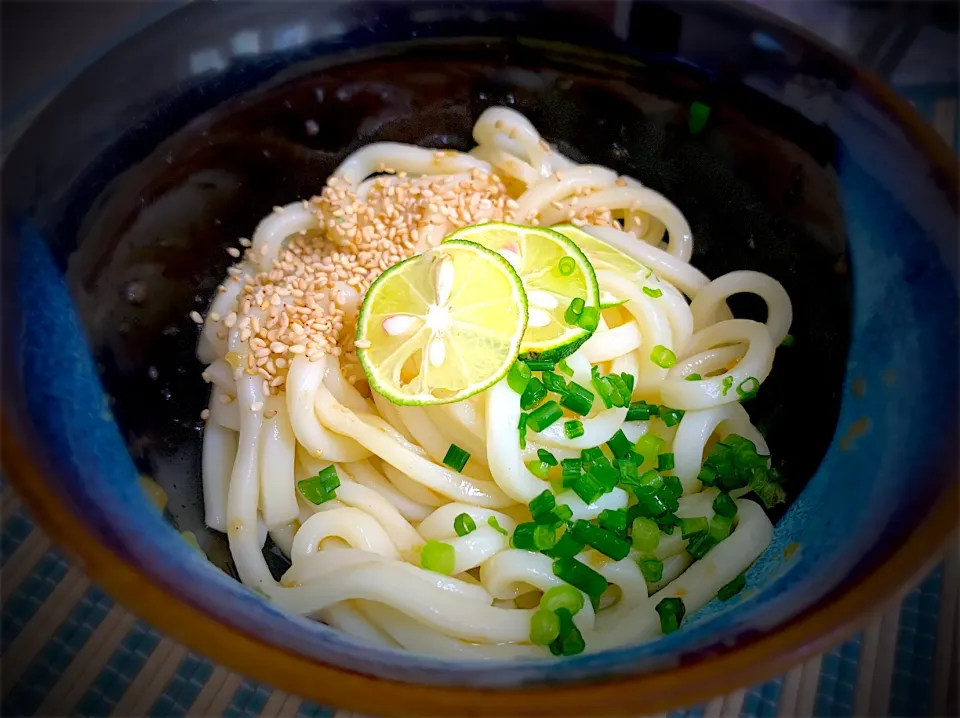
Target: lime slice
441, 326
601, 255
554, 273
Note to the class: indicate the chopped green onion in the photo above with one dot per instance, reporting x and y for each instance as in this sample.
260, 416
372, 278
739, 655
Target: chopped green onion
523, 536
589, 318
673, 484
642, 411
645, 534
456, 458
564, 367
727, 384
587, 488
562, 597
581, 576
693, 377
592, 456
571, 467
540, 469
723, 505
652, 569
621, 392
733, 588
697, 120
651, 479
607, 476
578, 399
663, 357
493, 523
649, 503
535, 393
567, 547
546, 457
667, 523
570, 642
614, 521
544, 628
627, 466
671, 417
671, 612
519, 376
320, 488
747, 390
572, 315
628, 381
554, 382
540, 364
667, 497
707, 475
544, 537
699, 544
665, 462
567, 266
689, 527
650, 292
522, 428
787, 341
573, 428
542, 503
619, 444
720, 528
464, 524
603, 389
649, 446
438, 556
546, 415
563, 512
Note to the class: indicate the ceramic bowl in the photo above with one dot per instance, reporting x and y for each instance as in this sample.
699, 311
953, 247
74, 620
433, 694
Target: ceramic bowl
122, 197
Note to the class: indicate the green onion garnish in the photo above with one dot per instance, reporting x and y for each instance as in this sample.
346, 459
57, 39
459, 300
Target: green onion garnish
645, 534
438, 556
546, 415
699, 544
734, 587
562, 597
464, 524
546, 457
563, 512
570, 642
748, 388
720, 528
723, 505
587, 488
320, 488
553, 382
614, 521
572, 315
544, 628
564, 367
667, 523
727, 384
672, 483
689, 527
523, 536
540, 364
649, 446
665, 462
573, 428
581, 576
544, 537
663, 357
671, 417
518, 377
542, 503
578, 399
493, 523
649, 504
642, 411
522, 428
628, 381
567, 547
606, 542
620, 396
456, 458
592, 456
538, 468
671, 612
693, 377
651, 292
571, 467
589, 318
627, 466
534, 393
652, 569
567, 266
787, 341
619, 444
603, 389
697, 120
651, 480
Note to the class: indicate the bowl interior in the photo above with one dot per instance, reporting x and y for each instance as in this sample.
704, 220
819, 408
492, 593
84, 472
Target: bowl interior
138, 240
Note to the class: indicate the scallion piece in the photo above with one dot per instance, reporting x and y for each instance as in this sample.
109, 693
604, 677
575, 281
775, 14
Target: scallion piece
587, 488
494, 524
627, 466
787, 341
614, 521
673, 484
578, 399
564, 367
540, 364
567, 547
581, 576
628, 381
723, 505
727, 385
553, 382
571, 467
642, 411
699, 544
665, 462
533, 394
619, 444
519, 376
720, 527
697, 121
671, 612
652, 569
691, 526
652, 292
592, 456
543, 417
649, 446
320, 488
620, 396
522, 429
573, 428
567, 266
606, 542
456, 458
570, 642
538, 468
603, 390
649, 504
544, 537
671, 417
544, 628
589, 318
663, 357
748, 388
733, 588
542, 503
563, 512
651, 480
438, 556
562, 597
464, 524
693, 377
523, 536
572, 315
645, 534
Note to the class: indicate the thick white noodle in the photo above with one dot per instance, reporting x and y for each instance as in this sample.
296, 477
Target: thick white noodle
278, 494
404, 158
713, 296
219, 453
276, 227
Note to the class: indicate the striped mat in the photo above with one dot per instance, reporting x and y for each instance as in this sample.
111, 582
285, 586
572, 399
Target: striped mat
69, 650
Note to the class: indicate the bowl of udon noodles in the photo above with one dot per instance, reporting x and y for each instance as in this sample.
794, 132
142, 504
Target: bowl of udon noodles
485, 358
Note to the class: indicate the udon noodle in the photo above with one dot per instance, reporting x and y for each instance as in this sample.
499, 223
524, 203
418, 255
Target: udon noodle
289, 399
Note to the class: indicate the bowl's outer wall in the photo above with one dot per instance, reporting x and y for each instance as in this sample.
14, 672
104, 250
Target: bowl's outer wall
121, 200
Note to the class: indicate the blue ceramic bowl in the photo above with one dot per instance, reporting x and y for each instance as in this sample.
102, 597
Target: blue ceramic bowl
121, 197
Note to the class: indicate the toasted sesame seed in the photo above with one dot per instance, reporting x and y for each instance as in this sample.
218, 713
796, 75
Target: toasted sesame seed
256, 406
195, 316
269, 413
233, 251
205, 414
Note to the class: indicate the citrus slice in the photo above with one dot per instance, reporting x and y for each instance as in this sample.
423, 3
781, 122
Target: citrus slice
601, 255
441, 326
554, 273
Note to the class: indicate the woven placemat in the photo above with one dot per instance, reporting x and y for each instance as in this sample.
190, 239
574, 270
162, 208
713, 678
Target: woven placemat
69, 650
